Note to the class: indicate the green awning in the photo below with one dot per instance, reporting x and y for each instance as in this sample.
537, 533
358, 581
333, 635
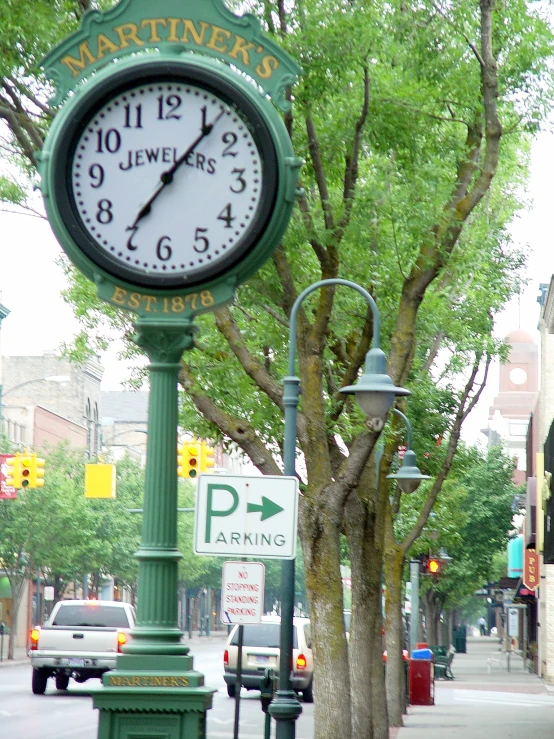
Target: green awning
5, 589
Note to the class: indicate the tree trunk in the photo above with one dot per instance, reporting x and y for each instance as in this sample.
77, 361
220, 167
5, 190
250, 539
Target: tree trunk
368, 694
321, 548
17, 583
432, 615
394, 633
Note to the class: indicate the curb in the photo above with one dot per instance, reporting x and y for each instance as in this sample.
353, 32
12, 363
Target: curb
14, 662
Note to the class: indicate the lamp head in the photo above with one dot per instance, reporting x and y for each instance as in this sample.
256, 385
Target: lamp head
409, 475
374, 390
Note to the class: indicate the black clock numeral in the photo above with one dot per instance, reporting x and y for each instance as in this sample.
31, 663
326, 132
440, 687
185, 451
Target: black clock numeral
130, 244
133, 117
104, 214
163, 250
240, 181
205, 245
226, 216
230, 138
96, 173
168, 106
111, 140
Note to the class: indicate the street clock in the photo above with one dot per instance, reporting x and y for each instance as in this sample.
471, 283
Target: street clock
167, 173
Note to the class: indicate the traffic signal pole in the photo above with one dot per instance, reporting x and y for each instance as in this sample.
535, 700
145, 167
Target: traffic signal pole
414, 619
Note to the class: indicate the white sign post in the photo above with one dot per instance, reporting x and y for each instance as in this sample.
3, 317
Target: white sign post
242, 592
246, 516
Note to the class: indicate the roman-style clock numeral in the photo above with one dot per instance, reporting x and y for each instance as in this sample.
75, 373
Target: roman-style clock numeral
96, 173
240, 184
133, 116
202, 244
230, 138
168, 105
163, 250
110, 140
227, 216
104, 214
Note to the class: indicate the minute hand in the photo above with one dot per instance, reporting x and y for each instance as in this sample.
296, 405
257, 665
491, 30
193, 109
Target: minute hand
167, 177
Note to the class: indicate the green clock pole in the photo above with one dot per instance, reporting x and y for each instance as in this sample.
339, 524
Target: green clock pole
154, 688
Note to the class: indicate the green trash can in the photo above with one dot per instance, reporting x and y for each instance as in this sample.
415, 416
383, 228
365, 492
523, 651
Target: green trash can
460, 640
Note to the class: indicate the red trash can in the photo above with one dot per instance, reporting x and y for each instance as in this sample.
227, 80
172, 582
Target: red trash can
421, 680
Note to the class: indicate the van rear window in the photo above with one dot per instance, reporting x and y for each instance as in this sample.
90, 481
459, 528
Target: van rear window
262, 635
93, 615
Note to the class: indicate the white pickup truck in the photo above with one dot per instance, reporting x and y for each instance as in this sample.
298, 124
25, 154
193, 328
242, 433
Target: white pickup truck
80, 639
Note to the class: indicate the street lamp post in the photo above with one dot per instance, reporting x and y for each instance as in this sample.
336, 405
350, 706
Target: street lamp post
375, 393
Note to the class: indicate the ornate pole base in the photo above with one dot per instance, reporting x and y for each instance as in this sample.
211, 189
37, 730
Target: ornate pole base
153, 697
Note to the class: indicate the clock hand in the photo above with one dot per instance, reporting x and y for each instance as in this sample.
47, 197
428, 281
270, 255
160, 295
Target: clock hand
167, 177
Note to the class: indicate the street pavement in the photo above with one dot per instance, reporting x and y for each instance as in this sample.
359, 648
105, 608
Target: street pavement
476, 705
480, 704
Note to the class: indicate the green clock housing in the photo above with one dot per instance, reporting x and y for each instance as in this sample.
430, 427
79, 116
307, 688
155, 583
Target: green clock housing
168, 174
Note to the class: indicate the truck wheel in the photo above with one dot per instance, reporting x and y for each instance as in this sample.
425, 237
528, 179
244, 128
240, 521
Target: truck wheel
231, 690
62, 681
40, 678
308, 694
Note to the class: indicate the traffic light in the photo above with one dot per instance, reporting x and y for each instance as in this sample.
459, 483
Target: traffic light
189, 459
37, 472
13, 477
206, 457
434, 566
26, 466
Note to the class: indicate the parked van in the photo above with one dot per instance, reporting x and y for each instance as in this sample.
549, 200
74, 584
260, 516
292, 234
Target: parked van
260, 650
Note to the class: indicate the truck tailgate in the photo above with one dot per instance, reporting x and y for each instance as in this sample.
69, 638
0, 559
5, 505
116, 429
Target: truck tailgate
70, 640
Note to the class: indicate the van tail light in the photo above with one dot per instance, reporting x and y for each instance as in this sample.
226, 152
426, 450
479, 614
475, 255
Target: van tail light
34, 637
226, 658
121, 640
301, 662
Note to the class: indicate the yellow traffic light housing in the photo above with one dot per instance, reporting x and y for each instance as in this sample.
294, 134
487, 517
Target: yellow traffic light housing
25, 469
206, 457
37, 472
189, 459
13, 478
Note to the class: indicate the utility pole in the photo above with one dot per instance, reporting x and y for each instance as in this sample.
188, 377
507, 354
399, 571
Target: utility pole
414, 620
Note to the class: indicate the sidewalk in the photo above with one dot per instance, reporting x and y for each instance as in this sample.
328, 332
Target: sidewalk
21, 658
480, 704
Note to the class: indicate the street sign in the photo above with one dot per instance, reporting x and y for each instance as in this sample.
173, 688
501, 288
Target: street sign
513, 621
242, 593
7, 492
246, 516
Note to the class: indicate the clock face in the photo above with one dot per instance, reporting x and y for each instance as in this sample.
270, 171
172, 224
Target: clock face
518, 375
169, 181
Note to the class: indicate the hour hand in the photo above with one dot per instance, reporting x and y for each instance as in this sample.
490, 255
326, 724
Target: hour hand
167, 177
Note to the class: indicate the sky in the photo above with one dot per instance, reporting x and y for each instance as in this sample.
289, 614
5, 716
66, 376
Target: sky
40, 320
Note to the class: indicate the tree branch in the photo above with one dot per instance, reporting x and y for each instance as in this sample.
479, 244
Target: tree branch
453, 440
352, 161
236, 429
319, 172
227, 326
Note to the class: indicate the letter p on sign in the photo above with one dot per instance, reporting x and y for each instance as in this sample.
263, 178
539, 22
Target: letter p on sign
211, 511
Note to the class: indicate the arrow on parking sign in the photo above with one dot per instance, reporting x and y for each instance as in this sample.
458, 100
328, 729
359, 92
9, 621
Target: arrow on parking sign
268, 508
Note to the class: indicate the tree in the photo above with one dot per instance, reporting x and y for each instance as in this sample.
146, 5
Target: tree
484, 500
400, 117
